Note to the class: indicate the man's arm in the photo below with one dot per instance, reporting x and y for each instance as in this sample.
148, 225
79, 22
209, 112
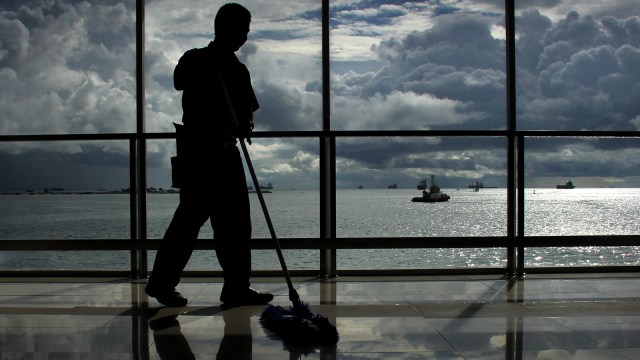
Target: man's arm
183, 75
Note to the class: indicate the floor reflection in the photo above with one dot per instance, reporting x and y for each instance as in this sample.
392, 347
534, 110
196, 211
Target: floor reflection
170, 343
237, 339
236, 343
588, 317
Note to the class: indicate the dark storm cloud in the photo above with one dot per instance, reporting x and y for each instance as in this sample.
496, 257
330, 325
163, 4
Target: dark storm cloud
541, 144
573, 74
88, 168
580, 74
454, 71
602, 161
455, 160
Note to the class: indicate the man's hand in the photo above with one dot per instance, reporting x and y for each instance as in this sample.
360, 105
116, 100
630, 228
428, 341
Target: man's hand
245, 131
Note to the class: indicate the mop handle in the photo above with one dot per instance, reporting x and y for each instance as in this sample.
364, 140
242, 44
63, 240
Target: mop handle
276, 243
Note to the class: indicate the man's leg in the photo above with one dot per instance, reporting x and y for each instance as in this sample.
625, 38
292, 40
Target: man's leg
231, 222
176, 249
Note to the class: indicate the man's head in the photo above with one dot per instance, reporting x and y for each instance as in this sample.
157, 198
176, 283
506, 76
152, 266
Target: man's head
231, 25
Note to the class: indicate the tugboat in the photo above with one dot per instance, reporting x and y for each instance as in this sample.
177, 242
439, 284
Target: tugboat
433, 195
567, 185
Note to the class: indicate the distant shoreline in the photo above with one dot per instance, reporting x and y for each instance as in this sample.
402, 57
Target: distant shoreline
110, 192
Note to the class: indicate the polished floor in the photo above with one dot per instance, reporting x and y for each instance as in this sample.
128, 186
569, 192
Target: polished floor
590, 316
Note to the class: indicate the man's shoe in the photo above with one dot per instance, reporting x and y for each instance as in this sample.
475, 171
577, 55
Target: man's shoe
170, 299
245, 297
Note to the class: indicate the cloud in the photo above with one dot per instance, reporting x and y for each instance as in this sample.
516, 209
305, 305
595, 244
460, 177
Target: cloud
398, 111
585, 76
453, 71
69, 67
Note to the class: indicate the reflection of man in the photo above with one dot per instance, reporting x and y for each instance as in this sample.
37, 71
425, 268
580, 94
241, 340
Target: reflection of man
169, 340
213, 185
236, 344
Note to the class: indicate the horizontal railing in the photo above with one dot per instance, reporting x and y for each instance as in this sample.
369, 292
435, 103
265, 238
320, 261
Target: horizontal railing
337, 134
338, 243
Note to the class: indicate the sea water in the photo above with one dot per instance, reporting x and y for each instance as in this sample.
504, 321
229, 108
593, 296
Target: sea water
359, 213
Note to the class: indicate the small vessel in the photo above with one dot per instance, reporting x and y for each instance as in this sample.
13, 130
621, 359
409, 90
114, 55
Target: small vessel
360, 187
433, 194
479, 185
567, 185
393, 186
263, 189
476, 185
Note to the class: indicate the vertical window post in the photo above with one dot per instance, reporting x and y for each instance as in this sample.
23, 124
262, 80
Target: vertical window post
138, 187
511, 130
327, 158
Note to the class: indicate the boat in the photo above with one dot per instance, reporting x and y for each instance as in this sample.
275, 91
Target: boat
393, 186
265, 189
422, 185
476, 187
479, 185
360, 187
433, 194
566, 185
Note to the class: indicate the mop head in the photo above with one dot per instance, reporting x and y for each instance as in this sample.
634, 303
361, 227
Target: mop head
296, 325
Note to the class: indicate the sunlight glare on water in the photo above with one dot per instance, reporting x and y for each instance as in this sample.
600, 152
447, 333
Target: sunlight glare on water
360, 213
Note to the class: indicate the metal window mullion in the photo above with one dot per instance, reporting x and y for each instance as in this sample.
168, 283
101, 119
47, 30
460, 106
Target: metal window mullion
327, 158
138, 154
520, 229
133, 206
511, 205
511, 133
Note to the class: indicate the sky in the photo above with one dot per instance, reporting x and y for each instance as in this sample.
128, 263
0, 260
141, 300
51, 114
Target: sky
68, 67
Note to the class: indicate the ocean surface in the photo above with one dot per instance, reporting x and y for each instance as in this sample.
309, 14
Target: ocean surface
360, 213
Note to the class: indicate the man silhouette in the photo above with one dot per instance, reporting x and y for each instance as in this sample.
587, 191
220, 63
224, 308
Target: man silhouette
213, 187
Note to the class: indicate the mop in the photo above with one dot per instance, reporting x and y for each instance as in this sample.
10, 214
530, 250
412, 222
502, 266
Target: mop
296, 324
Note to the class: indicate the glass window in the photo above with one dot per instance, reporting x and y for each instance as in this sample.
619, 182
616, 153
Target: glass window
582, 186
64, 191
377, 179
283, 54
67, 67
417, 65
288, 174
589, 163
577, 65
